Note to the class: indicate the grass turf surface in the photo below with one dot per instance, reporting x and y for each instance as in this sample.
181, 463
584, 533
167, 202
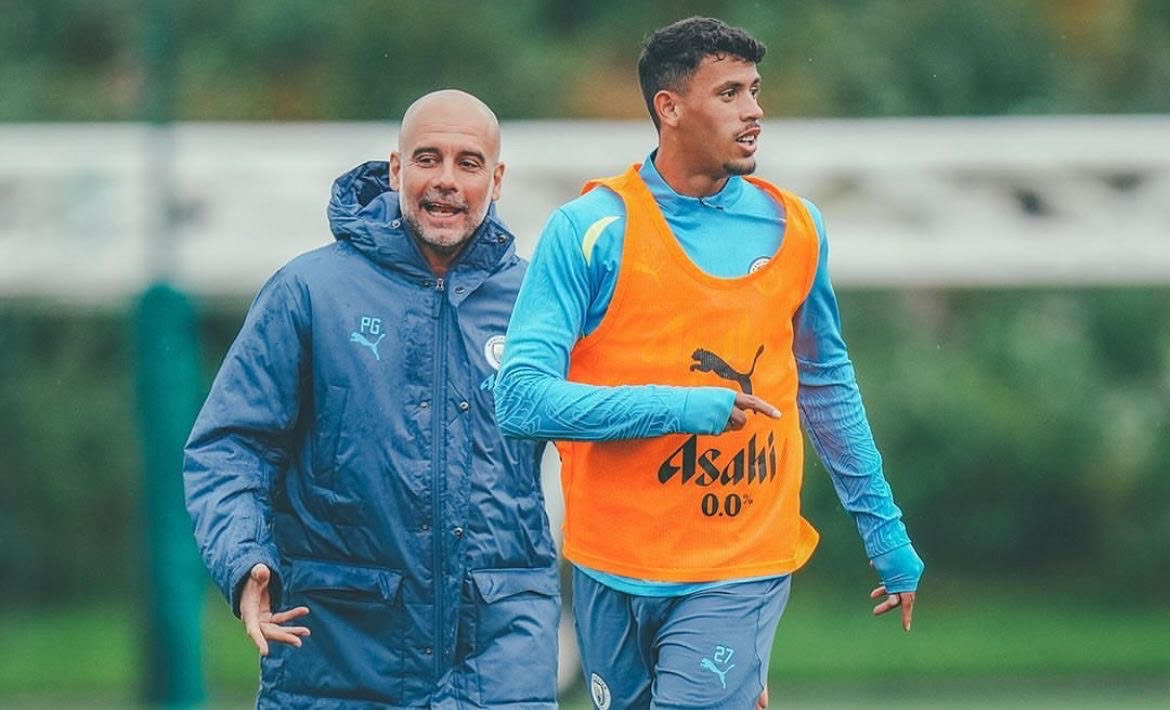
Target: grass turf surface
1026, 647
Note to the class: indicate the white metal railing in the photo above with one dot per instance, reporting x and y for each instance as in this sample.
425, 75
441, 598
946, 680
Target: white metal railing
915, 202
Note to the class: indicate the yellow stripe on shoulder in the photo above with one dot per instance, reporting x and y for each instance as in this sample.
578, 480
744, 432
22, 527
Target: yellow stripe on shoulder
593, 234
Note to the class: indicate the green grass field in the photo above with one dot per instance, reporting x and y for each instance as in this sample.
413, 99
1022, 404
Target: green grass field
1019, 648
1034, 695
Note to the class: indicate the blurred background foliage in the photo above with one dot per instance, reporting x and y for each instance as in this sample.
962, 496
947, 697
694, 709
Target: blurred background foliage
1026, 434
1026, 431
367, 59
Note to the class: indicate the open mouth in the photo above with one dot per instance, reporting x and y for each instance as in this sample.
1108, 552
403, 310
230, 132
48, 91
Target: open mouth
442, 209
748, 137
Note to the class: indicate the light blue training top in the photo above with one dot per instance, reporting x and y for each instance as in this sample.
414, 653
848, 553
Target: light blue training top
566, 292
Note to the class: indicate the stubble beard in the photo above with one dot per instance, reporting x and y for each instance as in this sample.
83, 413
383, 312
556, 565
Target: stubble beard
445, 245
747, 166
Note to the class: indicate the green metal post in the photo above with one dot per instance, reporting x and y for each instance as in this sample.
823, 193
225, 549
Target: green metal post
168, 395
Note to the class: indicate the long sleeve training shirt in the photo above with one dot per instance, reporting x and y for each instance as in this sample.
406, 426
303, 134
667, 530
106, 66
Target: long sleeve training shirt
566, 294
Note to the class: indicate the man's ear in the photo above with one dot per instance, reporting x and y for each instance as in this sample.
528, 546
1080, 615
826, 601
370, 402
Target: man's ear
497, 180
667, 106
395, 172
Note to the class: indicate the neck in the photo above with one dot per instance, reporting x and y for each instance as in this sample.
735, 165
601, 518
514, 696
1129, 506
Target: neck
679, 171
440, 260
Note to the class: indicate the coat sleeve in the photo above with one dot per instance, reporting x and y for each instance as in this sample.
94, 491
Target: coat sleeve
243, 439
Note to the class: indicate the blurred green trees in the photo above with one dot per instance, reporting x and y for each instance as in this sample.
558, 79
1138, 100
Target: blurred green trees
1025, 433
367, 59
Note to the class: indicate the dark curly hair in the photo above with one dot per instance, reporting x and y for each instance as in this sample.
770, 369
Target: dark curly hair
671, 54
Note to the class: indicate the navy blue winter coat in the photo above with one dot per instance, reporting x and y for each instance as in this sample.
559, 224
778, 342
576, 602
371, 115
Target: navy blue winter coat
347, 444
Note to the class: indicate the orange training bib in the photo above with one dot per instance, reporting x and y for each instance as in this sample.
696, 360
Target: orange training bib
685, 507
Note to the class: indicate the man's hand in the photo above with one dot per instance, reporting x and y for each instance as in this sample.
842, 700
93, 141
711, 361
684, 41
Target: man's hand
762, 701
902, 599
900, 568
745, 403
260, 623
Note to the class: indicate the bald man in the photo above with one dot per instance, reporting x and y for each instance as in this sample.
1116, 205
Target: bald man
353, 499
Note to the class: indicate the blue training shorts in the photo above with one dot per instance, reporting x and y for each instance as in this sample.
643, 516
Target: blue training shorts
709, 649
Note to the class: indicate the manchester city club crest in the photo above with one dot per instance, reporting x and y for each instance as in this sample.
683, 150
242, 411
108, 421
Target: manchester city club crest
600, 692
493, 350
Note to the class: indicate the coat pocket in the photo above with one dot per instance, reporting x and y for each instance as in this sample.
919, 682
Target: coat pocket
515, 656
356, 619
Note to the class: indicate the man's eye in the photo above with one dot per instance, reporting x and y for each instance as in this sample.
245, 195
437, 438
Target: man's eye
425, 161
470, 165
728, 94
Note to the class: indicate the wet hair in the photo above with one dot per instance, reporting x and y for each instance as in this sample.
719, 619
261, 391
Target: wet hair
671, 55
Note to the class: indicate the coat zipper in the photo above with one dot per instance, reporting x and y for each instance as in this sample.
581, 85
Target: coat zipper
438, 457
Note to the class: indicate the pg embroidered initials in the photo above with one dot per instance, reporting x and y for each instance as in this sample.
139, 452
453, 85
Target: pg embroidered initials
368, 326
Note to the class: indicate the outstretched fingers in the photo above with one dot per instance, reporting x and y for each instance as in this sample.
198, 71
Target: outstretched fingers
905, 600
744, 404
254, 632
750, 402
274, 630
284, 634
907, 609
282, 617
262, 627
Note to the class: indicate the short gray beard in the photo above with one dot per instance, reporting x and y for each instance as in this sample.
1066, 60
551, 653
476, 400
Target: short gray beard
440, 247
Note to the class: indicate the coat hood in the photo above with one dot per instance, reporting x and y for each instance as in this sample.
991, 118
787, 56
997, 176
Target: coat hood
364, 211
